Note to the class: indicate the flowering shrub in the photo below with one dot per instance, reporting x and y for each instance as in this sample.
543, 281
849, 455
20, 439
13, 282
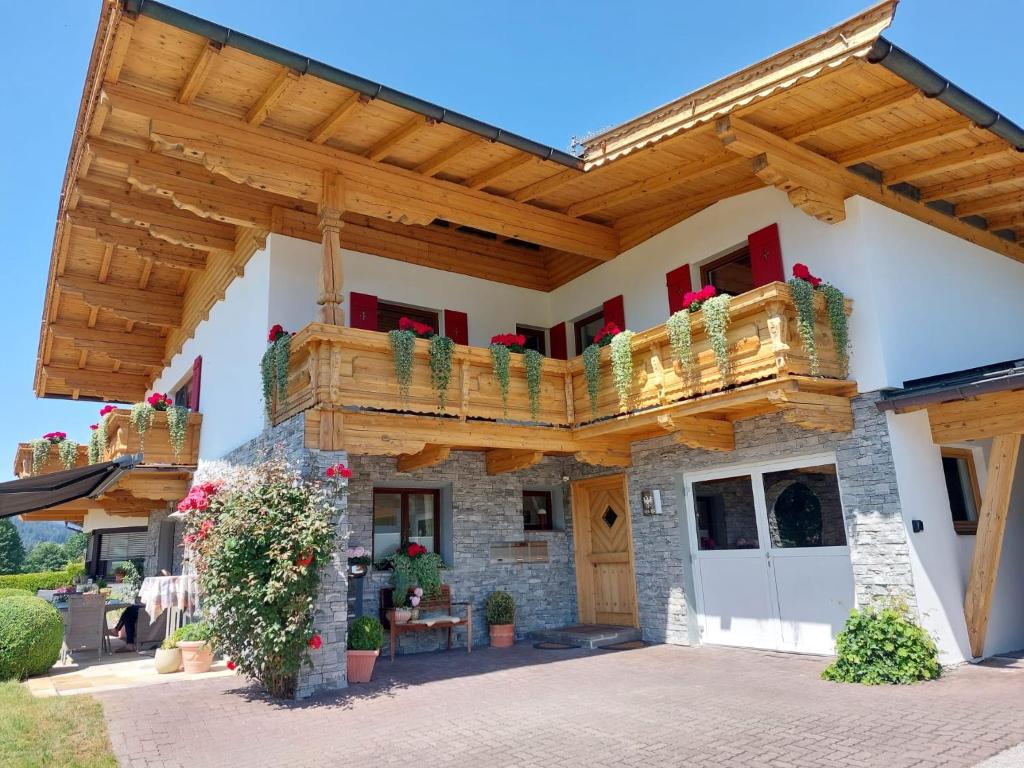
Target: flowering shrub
515, 342
274, 366
412, 567
258, 537
419, 330
802, 287
608, 332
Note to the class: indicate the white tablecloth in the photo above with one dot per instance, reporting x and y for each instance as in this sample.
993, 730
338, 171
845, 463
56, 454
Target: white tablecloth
160, 592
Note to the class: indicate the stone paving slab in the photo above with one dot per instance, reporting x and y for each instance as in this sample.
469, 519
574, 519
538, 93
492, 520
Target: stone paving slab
656, 706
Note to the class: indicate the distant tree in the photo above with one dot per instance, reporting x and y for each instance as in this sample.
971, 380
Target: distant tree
12, 553
74, 547
46, 556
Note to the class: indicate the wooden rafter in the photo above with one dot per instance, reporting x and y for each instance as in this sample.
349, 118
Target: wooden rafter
404, 132
197, 75
949, 161
901, 142
980, 182
275, 91
489, 175
984, 205
128, 303
142, 242
333, 122
437, 162
119, 49
545, 186
127, 347
872, 105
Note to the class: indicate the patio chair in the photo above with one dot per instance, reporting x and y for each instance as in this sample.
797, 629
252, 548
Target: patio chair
84, 625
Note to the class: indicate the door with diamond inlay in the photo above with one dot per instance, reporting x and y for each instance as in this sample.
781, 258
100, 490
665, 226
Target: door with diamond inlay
605, 579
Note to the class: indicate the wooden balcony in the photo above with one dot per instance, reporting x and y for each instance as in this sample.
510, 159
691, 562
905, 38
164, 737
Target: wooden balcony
344, 379
23, 460
155, 446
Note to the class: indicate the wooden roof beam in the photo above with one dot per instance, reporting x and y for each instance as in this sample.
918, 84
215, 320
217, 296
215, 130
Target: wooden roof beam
407, 130
259, 111
430, 456
145, 245
984, 205
276, 162
197, 75
545, 186
436, 163
901, 142
949, 161
488, 176
750, 141
127, 347
333, 122
119, 48
501, 460
108, 385
872, 105
981, 181
127, 303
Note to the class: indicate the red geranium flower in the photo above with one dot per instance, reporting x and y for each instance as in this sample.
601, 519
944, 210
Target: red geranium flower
106, 409
693, 299
607, 332
305, 559
94, 426
230, 664
415, 550
315, 642
275, 333
803, 273
422, 330
339, 470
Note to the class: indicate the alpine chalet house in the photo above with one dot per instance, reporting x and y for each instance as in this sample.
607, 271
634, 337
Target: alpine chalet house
740, 474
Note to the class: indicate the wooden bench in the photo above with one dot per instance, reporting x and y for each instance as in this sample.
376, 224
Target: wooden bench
441, 605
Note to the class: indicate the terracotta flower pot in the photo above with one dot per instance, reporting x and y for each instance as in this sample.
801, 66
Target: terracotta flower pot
503, 635
167, 660
360, 665
403, 615
196, 655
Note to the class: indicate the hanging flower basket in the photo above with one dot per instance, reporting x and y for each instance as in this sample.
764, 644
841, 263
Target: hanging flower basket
157, 446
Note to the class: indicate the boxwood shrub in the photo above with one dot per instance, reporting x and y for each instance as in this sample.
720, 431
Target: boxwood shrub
10, 592
31, 633
365, 634
883, 645
32, 582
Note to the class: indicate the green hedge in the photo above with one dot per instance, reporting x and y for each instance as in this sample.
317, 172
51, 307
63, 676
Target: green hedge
31, 633
9, 592
37, 581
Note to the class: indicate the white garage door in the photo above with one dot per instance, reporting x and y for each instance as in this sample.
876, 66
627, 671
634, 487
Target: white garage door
771, 563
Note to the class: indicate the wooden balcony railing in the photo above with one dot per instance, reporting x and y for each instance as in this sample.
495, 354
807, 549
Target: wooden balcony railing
123, 440
350, 372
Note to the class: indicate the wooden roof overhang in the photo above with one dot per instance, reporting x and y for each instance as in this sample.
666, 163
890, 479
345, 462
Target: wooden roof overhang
193, 142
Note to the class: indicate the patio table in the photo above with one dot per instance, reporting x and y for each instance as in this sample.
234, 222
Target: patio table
177, 595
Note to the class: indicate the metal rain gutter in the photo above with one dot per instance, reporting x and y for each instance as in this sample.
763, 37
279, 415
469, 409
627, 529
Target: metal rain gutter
225, 36
935, 86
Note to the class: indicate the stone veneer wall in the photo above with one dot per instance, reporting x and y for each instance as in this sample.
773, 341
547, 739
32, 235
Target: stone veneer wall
485, 510
867, 481
331, 615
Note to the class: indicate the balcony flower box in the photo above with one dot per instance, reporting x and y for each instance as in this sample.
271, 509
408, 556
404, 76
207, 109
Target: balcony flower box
155, 445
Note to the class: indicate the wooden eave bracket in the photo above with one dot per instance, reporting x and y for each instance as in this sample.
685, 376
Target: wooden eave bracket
700, 432
430, 456
814, 410
502, 460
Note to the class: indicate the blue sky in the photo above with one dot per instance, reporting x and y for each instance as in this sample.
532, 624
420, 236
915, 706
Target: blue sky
546, 69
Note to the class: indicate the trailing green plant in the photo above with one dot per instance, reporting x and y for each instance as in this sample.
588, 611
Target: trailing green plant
680, 338
716, 324
592, 373
413, 566
883, 645
40, 454
500, 608
274, 367
258, 537
177, 427
802, 292
403, 349
534, 363
141, 417
98, 436
365, 634
835, 308
500, 356
441, 367
622, 365
67, 451
31, 634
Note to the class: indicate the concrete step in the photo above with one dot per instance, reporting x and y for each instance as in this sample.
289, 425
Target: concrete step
587, 635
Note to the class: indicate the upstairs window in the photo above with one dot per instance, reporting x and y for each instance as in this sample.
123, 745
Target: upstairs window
731, 273
183, 394
587, 328
534, 338
962, 487
388, 315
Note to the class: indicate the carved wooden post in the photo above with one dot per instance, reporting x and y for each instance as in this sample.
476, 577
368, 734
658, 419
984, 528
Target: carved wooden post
332, 205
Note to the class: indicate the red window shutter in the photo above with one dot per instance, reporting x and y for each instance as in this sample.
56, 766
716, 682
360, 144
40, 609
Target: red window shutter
678, 282
456, 326
197, 381
557, 336
614, 312
766, 255
363, 311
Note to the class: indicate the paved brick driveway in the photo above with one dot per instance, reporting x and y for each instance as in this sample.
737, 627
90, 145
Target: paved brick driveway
658, 706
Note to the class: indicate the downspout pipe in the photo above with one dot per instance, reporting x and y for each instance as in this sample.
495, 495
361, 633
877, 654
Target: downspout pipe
225, 36
935, 86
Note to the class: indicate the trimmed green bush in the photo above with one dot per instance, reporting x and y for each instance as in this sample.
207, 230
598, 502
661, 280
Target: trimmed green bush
8, 592
500, 608
194, 632
32, 582
365, 634
883, 646
31, 633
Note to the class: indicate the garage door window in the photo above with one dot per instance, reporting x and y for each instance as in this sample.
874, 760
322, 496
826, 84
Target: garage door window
804, 508
725, 513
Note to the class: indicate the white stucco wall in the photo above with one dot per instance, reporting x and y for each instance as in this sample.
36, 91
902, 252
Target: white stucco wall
99, 519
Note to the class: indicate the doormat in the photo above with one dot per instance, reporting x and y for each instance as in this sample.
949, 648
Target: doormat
547, 645
628, 645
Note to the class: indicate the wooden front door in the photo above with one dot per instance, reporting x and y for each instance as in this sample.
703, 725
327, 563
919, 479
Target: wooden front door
605, 581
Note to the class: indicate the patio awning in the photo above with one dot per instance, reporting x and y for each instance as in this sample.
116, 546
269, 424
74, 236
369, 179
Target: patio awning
30, 494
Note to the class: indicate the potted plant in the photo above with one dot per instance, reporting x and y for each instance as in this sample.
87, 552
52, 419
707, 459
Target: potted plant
415, 573
365, 638
500, 613
194, 642
168, 656
119, 574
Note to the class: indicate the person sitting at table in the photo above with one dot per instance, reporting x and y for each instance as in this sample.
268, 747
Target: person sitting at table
125, 628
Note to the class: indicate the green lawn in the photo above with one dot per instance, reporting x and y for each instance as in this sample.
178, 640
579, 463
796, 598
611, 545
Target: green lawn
44, 733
